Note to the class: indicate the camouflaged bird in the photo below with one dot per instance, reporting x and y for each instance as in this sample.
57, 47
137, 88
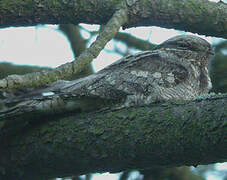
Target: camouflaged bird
175, 69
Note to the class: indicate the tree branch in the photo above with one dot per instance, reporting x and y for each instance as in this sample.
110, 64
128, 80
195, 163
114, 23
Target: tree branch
167, 134
200, 16
67, 70
133, 42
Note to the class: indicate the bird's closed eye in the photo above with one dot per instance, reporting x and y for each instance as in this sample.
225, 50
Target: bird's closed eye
182, 45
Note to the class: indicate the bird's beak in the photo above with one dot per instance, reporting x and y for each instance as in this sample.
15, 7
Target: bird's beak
211, 52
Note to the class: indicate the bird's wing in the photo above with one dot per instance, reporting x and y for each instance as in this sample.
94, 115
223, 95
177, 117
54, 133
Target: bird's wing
132, 75
157, 67
59, 98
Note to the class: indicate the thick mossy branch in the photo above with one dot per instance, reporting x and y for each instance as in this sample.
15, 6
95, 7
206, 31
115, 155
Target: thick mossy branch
67, 70
167, 134
199, 16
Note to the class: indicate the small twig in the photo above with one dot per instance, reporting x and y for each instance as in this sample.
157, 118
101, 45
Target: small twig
108, 32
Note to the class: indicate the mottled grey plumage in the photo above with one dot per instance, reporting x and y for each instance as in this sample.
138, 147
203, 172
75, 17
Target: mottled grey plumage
176, 69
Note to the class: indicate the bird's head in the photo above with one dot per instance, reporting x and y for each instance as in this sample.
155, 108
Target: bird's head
185, 44
193, 49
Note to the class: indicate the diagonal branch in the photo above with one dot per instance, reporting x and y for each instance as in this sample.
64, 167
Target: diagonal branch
67, 70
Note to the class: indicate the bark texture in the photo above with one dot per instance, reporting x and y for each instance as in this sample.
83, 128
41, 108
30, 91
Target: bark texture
200, 16
167, 134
